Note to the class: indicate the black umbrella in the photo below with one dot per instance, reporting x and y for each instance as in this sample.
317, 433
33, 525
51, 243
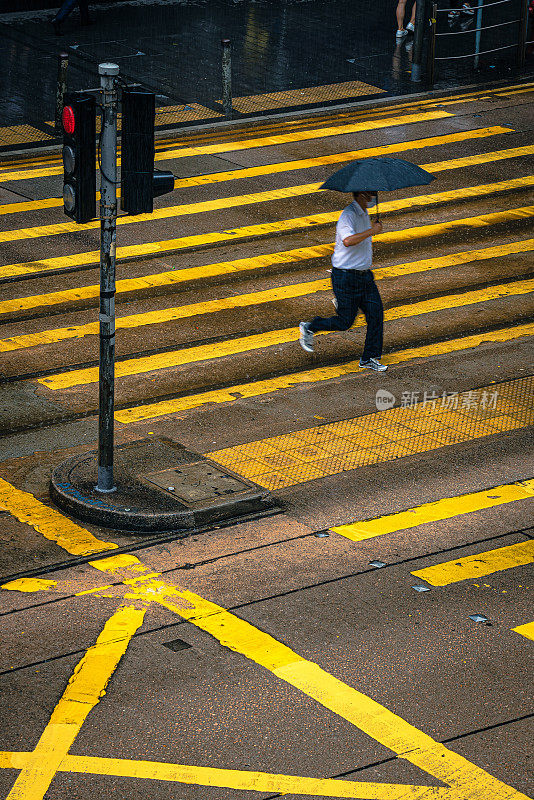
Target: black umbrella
377, 175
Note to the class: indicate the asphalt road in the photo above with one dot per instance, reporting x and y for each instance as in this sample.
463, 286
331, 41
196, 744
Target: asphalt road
374, 638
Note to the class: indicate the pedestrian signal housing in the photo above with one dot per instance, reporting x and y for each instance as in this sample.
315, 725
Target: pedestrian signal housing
79, 153
140, 182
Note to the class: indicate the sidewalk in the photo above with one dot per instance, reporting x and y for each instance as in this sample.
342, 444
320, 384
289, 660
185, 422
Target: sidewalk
284, 56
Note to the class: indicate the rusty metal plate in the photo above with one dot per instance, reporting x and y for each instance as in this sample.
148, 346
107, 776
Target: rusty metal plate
199, 482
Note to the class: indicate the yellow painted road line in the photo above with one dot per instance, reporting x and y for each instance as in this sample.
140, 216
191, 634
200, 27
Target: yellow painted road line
31, 205
480, 158
244, 780
84, 691
53, 525
462, 569
419, 106
29, 585
258, 388
167, 212
511, 94
466, 97
189, 355
258, 298
247, 144
526, 630
337, 158
446, 508
166, 315
46, 265
302, 136
308, 163
170, 277
467, 781
237, 201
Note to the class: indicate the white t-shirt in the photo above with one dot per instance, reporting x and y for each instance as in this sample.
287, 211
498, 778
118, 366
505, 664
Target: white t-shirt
353, 220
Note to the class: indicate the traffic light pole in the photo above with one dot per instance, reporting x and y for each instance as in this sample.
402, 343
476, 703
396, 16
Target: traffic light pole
108, 217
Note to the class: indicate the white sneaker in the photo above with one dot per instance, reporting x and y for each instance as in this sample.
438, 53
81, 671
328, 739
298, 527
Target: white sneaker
401, 34
466, 9
374, 364
410, 27
306, 337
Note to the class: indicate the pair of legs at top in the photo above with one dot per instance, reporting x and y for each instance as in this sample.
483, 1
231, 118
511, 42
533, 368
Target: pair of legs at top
401, 13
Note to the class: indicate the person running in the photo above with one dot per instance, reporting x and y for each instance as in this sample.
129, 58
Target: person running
353, 282
401, 11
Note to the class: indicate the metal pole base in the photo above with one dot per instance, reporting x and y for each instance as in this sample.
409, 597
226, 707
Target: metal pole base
105, 480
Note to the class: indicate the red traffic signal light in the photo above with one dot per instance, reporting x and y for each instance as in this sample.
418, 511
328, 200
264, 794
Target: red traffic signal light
68, 119
79, 156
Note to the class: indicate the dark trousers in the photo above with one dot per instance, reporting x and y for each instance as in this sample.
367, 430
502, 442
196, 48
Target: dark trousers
355, 289
68, 6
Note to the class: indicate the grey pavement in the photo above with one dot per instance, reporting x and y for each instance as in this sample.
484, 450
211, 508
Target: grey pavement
220, 693
174, 49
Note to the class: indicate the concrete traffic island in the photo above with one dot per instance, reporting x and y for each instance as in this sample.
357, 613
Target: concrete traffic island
160, 486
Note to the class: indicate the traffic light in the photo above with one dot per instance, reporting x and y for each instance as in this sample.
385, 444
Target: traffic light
140, 182
79, 153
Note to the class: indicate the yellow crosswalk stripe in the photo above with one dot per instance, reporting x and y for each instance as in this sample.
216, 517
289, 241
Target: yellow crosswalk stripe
166, 212
302, 190
302, 136
258, 388
255, 298
166, 315
31, 205
398, 147
167, 360
383, 110
247, 144
480, 158
253, 231
336, 158
462, 569
446, 508
508, 93
170, 277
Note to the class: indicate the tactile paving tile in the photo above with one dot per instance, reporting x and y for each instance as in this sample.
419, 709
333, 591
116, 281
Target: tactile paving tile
301, 456
306, 96
22, 134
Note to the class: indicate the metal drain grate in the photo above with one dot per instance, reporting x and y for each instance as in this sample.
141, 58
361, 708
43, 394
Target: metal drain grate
176, 645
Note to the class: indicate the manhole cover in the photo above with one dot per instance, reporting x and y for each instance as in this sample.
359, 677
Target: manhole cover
195, 483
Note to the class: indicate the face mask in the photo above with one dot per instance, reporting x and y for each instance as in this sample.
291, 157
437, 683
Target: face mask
372, 202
